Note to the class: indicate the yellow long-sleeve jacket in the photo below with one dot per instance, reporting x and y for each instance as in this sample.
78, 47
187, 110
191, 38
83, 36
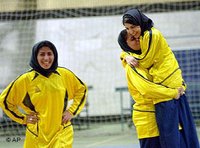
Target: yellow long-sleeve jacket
47, 96
142, 89
159, 60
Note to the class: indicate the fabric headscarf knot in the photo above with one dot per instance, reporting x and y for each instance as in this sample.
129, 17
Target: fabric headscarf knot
34, 62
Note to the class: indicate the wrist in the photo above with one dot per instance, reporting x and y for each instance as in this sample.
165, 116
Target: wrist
24, 120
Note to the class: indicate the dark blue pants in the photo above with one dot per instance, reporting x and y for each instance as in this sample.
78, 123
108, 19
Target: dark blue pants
153, 142
187, 122
169, 115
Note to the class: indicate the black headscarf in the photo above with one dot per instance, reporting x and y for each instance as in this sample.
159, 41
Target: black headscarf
122, 41
34, 62
123, 44
135, 17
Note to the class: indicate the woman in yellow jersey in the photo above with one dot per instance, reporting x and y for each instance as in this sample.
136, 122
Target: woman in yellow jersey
43, 94
158, 59
139, 82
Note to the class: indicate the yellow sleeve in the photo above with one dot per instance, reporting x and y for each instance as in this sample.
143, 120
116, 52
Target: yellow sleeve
11, 97
78, 93
123, 55
147, 88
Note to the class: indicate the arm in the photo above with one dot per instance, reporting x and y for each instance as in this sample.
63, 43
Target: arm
78, 93
11, 98
127, 58
148, 89
79, 96
123, 55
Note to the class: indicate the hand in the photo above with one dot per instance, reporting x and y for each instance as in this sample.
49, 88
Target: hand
131, 61
32, 118
66, 117
180, 92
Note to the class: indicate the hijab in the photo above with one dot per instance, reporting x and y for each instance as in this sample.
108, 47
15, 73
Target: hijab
122, 41
123, 44
135, 17
34, 62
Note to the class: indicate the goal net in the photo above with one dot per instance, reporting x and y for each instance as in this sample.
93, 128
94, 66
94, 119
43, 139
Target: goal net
85, 33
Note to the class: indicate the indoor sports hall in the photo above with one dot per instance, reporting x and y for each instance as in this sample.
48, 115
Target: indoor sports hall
85, 33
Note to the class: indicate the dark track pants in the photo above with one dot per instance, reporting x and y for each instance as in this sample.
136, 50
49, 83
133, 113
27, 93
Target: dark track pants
153, 142
169, 115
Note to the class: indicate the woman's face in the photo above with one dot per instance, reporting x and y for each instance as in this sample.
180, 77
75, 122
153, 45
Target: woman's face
45, 57
134, 30
132, 42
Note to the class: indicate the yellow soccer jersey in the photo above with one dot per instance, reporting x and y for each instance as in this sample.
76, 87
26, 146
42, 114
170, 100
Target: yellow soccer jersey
47, 96
159, 60
142, 89
139, 82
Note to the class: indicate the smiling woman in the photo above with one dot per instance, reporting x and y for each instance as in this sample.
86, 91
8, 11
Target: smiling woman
43, 94
156, 65
85, 32
45, 57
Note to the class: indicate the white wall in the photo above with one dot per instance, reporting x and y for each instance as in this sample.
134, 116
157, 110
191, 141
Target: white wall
180, 28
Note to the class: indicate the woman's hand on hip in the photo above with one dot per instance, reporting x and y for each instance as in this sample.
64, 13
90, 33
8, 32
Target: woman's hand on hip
66, 117
32, 118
